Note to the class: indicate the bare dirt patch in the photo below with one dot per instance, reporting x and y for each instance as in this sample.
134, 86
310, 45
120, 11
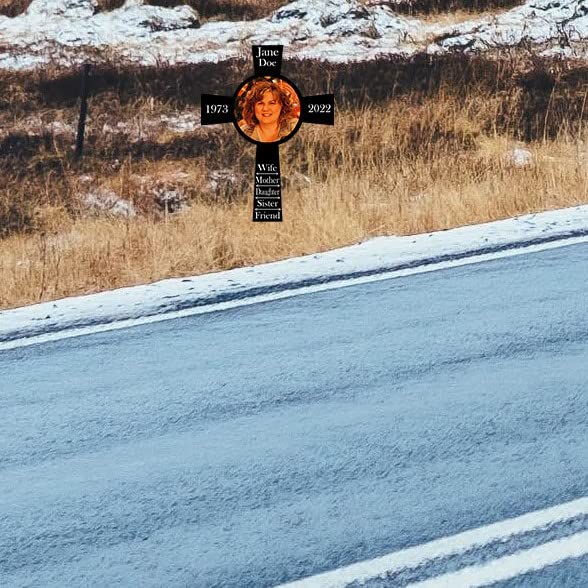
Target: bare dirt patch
226, 9
106, 5
13, 7
434, 7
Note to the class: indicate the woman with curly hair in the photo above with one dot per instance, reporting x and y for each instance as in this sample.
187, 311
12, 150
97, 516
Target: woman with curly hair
268, 113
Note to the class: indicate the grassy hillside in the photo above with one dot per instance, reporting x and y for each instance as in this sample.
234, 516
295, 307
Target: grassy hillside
418, 145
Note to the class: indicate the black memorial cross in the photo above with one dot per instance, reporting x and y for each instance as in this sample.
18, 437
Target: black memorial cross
267, 191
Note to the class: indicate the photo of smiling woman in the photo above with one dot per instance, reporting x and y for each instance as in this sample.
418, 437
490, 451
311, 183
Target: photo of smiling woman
268, 110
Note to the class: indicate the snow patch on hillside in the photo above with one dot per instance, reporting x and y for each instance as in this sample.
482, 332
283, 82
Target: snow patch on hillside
557, 27
69, 32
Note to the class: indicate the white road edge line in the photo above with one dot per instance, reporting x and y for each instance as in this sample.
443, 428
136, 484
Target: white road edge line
511, 566
413, 557
69, 333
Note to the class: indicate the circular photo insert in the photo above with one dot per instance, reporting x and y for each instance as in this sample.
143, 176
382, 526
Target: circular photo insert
267, 109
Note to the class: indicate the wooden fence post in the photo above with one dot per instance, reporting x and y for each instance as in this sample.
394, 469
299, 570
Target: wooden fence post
83, 111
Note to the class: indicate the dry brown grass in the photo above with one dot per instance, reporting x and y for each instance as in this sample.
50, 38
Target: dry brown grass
373, 196
458, 16
415, 154
227, 9
440, 7
105, 5
378, 191
13, 7
207, 9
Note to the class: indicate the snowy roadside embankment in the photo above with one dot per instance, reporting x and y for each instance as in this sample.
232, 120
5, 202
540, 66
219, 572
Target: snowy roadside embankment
376, 256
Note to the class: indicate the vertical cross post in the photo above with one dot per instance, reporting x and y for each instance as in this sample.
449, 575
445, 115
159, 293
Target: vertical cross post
267, 197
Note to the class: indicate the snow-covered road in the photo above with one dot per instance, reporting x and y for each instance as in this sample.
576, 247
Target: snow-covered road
275, 441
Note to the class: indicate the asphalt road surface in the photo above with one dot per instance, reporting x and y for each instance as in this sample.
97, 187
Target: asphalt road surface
264, 444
